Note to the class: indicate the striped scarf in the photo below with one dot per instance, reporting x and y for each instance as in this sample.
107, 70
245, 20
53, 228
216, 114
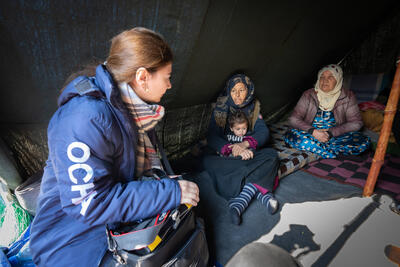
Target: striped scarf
146, 117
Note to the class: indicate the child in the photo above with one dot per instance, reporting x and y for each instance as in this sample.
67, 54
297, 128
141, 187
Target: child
238, 124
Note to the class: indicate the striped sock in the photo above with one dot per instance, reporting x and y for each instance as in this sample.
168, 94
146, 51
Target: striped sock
269, 201
238, 204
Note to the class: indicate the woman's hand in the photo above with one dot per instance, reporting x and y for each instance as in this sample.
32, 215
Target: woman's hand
237, 149
247, 154
189, 192
321, 135
244, 144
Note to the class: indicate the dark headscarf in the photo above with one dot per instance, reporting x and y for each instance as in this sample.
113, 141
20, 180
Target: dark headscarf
225, 104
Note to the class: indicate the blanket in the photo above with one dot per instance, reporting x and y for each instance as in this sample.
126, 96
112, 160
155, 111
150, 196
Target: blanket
291, 159
354, 170
229, 174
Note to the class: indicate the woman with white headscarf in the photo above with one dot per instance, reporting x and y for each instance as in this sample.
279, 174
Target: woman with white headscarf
326, 119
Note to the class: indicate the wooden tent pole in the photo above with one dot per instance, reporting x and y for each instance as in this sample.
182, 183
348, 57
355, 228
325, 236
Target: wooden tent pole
379, 156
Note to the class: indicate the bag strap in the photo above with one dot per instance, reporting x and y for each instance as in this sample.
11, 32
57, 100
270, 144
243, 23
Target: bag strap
167, 165
113, 247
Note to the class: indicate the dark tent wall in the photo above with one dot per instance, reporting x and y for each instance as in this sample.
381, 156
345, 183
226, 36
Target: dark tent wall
44, 41
378, 52
280, 45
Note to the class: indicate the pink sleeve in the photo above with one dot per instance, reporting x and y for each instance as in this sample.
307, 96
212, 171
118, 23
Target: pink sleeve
226, 150
252, 142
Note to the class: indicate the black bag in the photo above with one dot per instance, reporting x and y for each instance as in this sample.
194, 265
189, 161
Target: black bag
180, 241
174, 238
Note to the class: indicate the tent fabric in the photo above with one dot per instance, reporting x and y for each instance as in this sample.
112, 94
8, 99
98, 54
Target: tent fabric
378, 51
42, 50
275, 44
28, 143
179, 131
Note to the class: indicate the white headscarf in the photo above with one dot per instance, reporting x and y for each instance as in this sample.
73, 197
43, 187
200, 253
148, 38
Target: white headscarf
327, 100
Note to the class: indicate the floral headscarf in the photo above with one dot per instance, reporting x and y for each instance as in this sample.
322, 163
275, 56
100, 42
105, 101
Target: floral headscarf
225, 104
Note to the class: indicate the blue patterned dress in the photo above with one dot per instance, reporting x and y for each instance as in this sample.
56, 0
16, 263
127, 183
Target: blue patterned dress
348, 143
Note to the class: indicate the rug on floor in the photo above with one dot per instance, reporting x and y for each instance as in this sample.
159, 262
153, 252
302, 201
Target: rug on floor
354, 170
225, 239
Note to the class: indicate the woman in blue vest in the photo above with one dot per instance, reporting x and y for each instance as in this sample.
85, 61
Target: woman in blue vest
101, 141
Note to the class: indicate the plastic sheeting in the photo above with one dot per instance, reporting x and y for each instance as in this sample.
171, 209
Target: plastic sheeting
13, 219
27, 193
8, 171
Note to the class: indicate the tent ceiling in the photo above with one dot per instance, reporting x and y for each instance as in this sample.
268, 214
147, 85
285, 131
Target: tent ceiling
280, 45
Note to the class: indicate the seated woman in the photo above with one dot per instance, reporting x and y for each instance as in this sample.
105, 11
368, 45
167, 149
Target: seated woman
326, 119
251, 170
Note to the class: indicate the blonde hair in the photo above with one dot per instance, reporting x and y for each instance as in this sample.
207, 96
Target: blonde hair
135, 48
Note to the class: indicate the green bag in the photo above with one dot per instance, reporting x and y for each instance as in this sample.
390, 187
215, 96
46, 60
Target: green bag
13, 218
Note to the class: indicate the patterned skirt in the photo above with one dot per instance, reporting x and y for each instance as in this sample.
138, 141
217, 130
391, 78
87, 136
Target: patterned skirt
348, 143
